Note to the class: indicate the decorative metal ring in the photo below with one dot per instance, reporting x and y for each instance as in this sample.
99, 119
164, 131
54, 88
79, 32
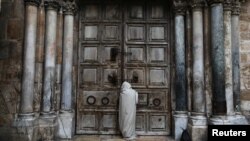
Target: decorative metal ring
91, 100
105, 101
157, 102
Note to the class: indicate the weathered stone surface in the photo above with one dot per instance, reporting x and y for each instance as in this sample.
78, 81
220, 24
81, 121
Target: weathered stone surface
218, 60
50, 60
4, 49
180, 122
198, 100
67, 62
17, 9
48, 125
3, 29
66, 122
6, 7
180, 77
14, 29
228, 62
245, 57
40, 34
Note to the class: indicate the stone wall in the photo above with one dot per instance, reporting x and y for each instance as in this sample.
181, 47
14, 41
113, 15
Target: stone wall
11, 44
245, 55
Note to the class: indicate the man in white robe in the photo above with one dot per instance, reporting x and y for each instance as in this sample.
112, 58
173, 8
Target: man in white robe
127, 111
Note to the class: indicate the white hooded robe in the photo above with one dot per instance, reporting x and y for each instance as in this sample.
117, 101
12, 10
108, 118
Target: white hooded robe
127, 110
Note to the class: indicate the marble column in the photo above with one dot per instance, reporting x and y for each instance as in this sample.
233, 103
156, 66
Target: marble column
207, 60
39, 54
180, 77
180, 115
238, 118
26, 120
228, 57
197, 121
66, 122
66, 103
26, 105
236, 53
198, 99
50, 56
218, 58
59, 40
188, 58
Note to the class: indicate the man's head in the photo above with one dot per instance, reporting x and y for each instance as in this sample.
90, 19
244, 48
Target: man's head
126, 85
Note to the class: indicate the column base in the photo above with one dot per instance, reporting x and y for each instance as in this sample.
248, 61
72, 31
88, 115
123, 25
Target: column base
180, 123
66, 125
238, 119
218, 120
197, 127
25, 125
47, 126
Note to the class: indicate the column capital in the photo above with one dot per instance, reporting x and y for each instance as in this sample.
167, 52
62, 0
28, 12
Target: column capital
51, 4
197, 4
180, 7
69, 7
227, 5
32, 2
235, 7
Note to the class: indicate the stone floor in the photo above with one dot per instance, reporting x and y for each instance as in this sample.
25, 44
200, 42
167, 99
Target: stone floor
118, 138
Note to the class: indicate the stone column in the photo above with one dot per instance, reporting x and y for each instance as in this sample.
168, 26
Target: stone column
197, 121
236, 53
26, 120
180, 116
66, 103
189, 58
207, 60
39, 54
228, 57
48, 120
59, 47
198, 100
50, 56
26, 106
238, 118
66, 122
218, 62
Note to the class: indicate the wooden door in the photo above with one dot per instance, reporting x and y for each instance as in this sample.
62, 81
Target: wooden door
123, 41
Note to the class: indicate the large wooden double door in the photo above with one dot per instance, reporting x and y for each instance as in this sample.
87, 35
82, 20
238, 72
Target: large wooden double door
123, 41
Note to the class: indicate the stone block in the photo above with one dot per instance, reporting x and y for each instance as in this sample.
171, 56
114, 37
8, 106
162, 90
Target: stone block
197, 128
6, 9
4, 49
244, 46
48, 125
14, 29
244, 26
3, 28
25, 125
180, 123
15, 51
243, 58
18, 9
198, 133
65, 125
245, 36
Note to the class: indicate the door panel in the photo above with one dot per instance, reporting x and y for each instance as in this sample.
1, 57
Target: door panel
123, 41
